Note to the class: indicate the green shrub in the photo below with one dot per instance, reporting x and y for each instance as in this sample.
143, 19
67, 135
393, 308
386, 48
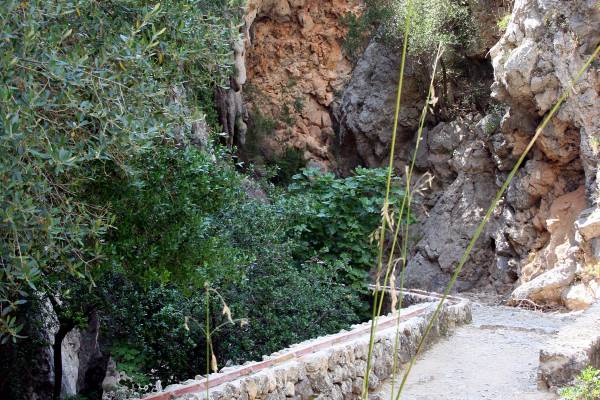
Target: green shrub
286, 296
165, 216
298, 104
362, 27
586, 387
146, 327
183, 220
290, 163
503, 22
286, 116
434, 21
250, 246
259, 128
87, 83
337, 216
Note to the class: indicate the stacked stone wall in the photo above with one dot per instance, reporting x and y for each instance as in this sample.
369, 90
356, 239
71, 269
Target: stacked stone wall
329, 367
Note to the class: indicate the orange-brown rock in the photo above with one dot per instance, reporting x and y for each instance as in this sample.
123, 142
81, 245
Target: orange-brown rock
295, 65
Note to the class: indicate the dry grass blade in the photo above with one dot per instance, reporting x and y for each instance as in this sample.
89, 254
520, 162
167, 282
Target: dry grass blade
491, 209
419, 187
383, 229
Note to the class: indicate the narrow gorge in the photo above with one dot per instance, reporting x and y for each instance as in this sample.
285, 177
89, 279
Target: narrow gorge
197, 199
337, 113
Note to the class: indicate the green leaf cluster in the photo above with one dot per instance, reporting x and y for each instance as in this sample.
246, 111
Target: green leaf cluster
185, 220
433, 21
86, 84
586, 386
337, 216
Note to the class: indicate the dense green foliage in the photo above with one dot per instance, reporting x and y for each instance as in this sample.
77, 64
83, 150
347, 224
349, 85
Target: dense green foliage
503, 22
586, 387
186, 220
278, 168
86, 82
362, 27
107, 211
447, 22
337, 216
165, 216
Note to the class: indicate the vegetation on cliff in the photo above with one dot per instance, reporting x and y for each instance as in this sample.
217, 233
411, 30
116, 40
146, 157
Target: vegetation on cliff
448, 22
107, 210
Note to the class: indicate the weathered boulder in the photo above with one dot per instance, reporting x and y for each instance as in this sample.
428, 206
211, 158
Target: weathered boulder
575, 347
366, 108
588, 225
455, 150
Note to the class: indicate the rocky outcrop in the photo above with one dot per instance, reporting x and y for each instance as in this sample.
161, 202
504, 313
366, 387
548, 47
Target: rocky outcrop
289, 66
365, 110
542, 243
83, 363
459, 158
545, 44
575, 347
30, 367
365, 113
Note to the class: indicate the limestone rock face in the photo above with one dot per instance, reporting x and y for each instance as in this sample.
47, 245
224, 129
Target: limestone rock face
289, 66
545, 45
543, 242
366, 109
458, 155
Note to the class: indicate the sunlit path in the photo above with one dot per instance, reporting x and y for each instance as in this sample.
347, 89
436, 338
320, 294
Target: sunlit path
495, 357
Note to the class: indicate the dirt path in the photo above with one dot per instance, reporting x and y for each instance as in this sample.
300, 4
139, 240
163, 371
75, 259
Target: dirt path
495, 357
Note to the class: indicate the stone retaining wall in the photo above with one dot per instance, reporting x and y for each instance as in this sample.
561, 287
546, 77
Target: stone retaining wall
575, 347
329, 367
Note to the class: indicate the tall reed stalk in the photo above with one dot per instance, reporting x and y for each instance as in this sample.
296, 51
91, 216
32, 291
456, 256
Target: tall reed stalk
205, 327
429, 102
378, 297
490, 211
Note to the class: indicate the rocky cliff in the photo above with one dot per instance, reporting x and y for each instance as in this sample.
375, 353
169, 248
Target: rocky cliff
289, 67
542, 244
555, 201
534, 248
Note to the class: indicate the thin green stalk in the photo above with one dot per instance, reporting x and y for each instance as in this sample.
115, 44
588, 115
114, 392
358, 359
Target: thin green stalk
400, 295
385, 210
408, 195
491, 209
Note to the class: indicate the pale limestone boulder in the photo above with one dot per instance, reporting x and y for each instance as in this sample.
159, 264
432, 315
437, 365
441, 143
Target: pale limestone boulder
589, 224
578, 296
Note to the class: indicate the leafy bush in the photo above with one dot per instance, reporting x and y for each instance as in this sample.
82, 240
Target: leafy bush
503, 22
287, 165
165, 216
87, 82
184, 221
285, 297
447, 22
337, 216
362, 27
586, 387
146, 326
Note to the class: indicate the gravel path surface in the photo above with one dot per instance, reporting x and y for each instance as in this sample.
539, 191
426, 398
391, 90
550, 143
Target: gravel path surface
495, 357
